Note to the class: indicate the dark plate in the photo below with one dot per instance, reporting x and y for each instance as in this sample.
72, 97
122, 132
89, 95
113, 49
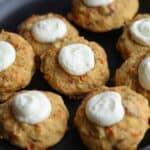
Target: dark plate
13, 12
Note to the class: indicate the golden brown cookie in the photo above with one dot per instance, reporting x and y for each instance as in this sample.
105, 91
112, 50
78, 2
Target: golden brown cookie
103, 18
19, 74
25, 29
128, 75
72, 85
126, 44
124, 135
38, 136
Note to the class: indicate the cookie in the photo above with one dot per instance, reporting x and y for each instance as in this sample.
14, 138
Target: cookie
75, 66
134, 73
133, 36
30, 127
42, 31
112, 118
102, 16
17, 63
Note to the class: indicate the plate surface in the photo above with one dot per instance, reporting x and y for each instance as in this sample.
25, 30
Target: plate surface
13, 12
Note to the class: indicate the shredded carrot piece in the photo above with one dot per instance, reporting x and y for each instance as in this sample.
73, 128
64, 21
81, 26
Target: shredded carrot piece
83, 78
109, 131
136, 134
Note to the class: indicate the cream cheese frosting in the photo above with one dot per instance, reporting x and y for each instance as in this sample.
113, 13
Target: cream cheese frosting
105, 109
140, 31
49, 30
76, 59
144, 73
7, 55
96, 3
31, 107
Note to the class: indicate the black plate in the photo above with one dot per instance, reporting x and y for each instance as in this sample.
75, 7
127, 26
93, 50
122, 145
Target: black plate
13, 12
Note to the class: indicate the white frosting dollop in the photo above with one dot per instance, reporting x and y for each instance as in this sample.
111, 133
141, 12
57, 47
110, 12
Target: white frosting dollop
140, 31
76, 59
105, 109
49, 30
144, 73
31, 107
7, 55
96, 3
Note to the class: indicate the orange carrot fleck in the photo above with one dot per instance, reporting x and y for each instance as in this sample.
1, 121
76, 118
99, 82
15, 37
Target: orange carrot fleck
83, 78
109, 131
136, 134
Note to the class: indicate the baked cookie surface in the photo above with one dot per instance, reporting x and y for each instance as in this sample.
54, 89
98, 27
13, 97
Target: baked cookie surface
126, 44
18, 75
25, 29
38, 136
103, 18
128, 75
72, 85
124, 135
